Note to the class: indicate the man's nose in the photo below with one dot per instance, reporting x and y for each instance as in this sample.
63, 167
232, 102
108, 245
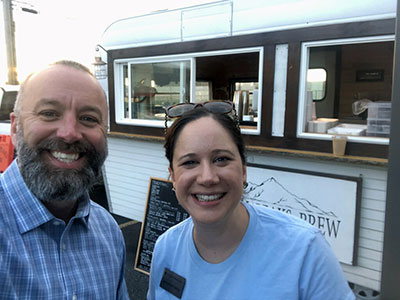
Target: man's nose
69, 129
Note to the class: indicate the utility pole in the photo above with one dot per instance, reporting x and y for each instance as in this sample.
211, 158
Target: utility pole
9, 30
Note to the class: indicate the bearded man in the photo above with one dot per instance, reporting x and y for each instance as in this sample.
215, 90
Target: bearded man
55, 243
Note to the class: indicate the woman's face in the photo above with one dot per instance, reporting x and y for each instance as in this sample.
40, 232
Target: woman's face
208, 173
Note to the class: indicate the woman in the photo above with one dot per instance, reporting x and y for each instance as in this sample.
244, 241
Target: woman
228, 249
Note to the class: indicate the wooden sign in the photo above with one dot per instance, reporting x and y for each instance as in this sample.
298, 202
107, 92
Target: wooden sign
162, 211
329, 202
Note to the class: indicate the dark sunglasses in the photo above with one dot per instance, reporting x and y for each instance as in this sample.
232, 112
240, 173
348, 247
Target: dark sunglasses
216, 106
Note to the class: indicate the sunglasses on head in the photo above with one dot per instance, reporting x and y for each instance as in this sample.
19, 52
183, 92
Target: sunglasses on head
216, 106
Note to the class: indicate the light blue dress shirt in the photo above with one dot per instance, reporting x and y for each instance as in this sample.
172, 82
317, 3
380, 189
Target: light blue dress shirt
41, 257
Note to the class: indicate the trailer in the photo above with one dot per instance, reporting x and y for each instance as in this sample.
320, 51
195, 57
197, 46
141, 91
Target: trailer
305, 76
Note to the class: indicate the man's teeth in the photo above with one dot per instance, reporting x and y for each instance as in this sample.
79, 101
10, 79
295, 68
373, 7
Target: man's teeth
205, 198
65, 157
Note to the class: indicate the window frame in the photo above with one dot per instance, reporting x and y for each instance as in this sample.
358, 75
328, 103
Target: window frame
119, 87
326, 83
119, 84
304, 63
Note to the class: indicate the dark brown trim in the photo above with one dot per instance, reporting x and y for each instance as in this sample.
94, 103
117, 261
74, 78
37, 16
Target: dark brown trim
282, 152
337, 80
292, 90
267, 91
111, 91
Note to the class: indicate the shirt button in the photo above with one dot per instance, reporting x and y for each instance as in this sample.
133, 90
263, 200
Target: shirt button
74, 297
64, 246
56, 223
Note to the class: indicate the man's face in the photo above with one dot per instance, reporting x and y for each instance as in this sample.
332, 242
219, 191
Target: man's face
60, 134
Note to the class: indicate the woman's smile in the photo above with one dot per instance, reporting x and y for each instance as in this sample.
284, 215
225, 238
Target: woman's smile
208, 198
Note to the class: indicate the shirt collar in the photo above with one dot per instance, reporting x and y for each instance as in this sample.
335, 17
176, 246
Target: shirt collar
83, 210
29, 211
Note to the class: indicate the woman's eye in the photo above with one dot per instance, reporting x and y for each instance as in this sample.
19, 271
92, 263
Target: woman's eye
222, 159
188, 163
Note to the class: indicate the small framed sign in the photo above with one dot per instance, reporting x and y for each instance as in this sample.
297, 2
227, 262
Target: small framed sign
369, 75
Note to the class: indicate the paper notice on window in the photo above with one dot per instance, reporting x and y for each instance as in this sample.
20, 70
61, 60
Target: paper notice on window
279, 100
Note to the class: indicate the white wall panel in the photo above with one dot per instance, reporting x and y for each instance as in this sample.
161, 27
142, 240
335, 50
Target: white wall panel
128, 168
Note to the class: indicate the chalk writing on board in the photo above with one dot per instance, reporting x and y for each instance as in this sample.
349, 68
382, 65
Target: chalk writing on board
162, 212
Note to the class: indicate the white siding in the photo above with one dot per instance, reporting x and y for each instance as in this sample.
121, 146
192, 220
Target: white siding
131, 163
128, 168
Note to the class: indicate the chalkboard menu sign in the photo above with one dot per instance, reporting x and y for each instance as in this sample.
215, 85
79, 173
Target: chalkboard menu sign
162, 211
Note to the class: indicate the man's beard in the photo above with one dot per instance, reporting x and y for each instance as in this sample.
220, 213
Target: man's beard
51, 184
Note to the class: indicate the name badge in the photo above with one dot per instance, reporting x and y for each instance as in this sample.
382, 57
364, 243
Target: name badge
173, 283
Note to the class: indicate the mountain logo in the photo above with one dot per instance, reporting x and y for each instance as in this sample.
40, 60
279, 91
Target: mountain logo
274, 195
286, 200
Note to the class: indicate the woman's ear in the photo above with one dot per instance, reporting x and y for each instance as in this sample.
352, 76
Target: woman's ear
244, 174
171, 175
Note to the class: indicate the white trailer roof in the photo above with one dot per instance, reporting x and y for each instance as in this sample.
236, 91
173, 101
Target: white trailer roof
237, 17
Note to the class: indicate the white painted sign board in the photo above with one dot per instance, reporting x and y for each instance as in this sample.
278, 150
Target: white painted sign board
328, 202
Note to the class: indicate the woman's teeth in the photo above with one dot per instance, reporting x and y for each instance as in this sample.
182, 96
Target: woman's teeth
65, 157
206, 198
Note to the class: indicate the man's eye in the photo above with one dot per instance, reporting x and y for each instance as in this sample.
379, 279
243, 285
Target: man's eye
48, 114
89, 119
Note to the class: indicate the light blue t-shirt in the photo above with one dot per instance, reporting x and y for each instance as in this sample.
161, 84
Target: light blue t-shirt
280, 257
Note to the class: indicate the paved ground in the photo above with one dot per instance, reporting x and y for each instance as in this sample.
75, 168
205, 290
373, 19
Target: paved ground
137, 282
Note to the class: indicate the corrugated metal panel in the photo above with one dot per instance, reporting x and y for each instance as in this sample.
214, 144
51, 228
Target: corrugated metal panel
207, 21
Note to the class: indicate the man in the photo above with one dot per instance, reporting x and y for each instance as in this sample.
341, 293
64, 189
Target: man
55, 243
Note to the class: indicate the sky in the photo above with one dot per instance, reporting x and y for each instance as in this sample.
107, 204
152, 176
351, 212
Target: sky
68, 29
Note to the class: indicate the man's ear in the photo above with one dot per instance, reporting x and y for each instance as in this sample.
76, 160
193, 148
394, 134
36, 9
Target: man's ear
14, 129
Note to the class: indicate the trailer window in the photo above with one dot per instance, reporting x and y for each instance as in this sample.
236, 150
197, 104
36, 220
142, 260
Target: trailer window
145, 86
150, 87
203, 90
345, 89
252, 87
316, 83
234, 75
